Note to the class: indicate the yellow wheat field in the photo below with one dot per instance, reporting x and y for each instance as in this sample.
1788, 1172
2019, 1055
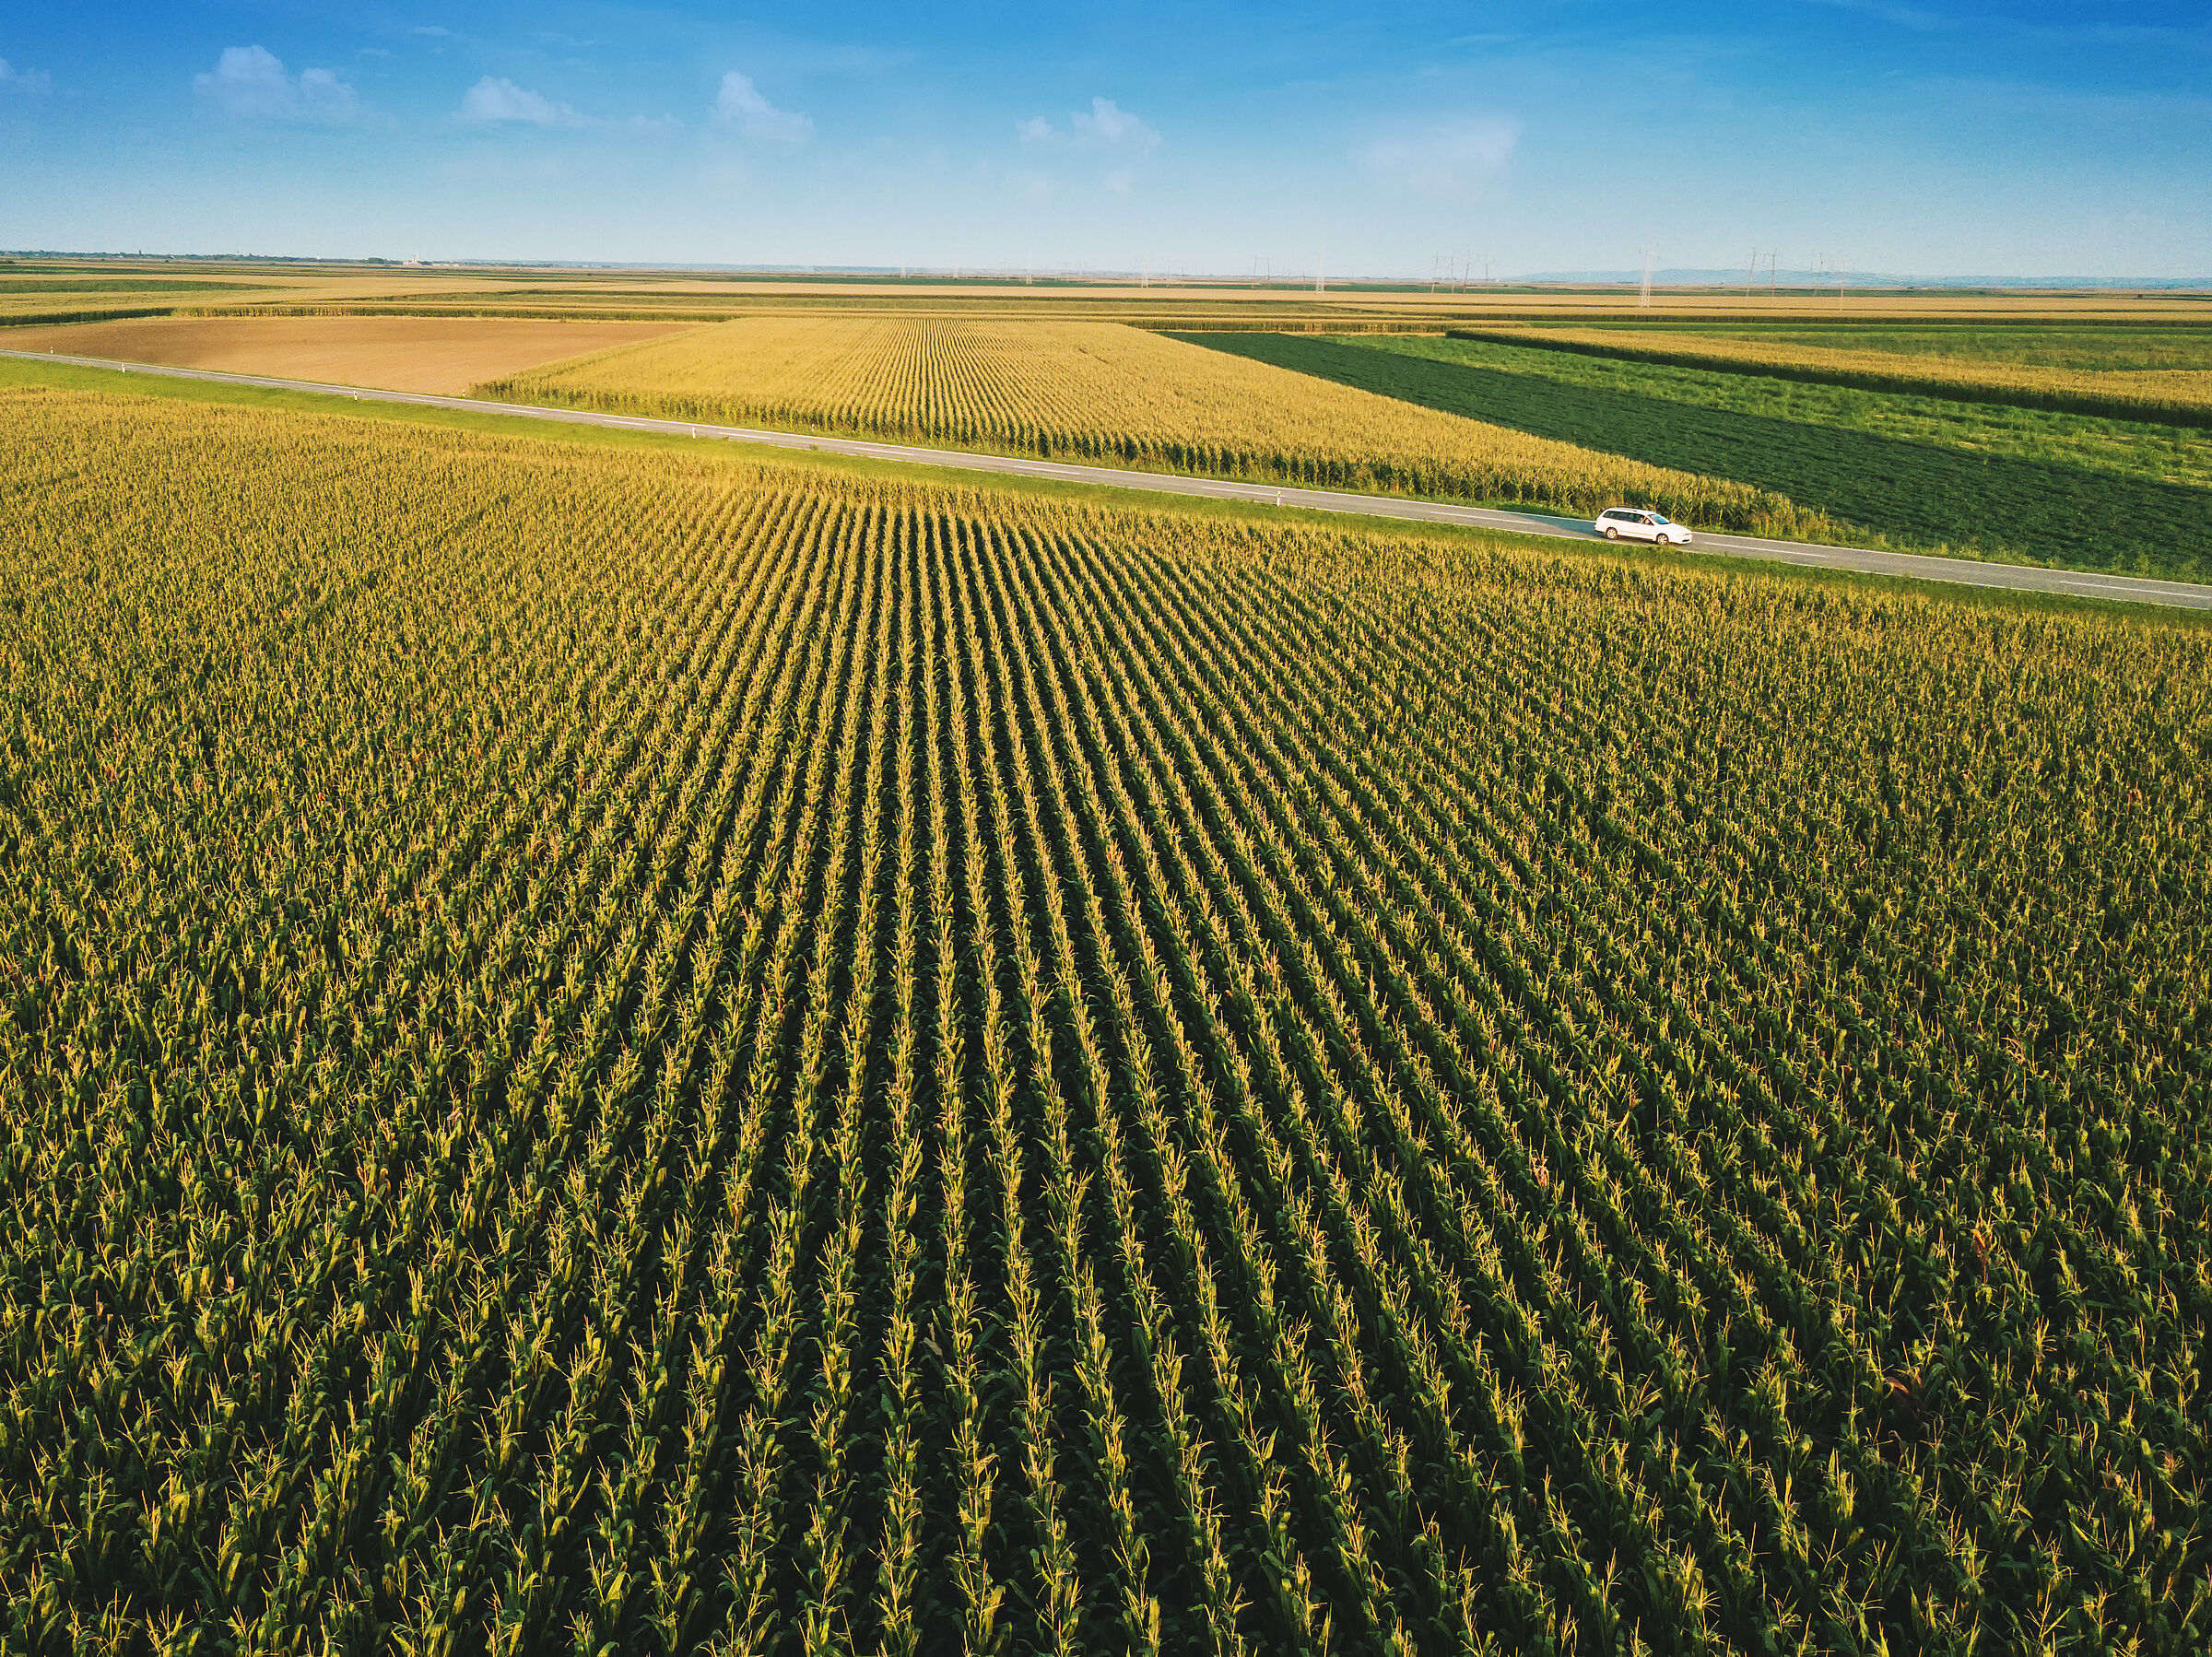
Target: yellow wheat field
1101, 391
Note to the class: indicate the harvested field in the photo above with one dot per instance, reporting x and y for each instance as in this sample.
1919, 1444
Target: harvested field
446, 354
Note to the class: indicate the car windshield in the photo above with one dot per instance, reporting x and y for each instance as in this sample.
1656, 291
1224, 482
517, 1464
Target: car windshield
1658, 517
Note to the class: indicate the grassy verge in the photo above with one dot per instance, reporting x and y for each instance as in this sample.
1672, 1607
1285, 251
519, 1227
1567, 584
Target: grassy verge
522, 429
1911, 494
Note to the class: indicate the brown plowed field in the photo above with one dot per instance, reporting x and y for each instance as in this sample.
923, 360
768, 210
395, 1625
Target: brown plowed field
446, 354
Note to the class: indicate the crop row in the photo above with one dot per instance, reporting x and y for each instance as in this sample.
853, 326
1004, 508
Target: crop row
622, 1052
1120, 395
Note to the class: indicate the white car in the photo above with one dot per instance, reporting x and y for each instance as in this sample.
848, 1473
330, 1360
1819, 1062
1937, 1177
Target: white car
1640, 524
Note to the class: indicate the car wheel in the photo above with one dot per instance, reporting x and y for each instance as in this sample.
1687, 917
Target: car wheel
1612, 535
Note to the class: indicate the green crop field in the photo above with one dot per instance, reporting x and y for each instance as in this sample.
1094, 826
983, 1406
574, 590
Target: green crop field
1819, 446
618, 1051
2097, 347
2159, 370
2129, 448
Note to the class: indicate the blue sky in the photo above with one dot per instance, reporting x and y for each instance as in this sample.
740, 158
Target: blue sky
2001, 136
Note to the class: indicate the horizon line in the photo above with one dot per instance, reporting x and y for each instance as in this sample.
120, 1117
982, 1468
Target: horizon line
1144, 276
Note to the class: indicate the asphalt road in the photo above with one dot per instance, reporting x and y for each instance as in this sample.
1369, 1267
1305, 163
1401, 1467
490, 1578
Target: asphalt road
2019, 577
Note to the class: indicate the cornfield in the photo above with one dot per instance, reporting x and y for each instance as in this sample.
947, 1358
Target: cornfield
1105, 393
612, 1052
2179, 396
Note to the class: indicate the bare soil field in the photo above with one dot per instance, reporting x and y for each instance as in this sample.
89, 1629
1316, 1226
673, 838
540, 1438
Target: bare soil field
444, 355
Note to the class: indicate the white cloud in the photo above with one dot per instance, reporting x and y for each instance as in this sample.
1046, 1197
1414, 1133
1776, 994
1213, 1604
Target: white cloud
251, 82
24, 81
1106, 126
741, 105
1904, 17
495, 99
1109, 124
1120, 139
1451, 160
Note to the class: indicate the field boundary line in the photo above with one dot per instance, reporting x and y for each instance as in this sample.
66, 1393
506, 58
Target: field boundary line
1859, 560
